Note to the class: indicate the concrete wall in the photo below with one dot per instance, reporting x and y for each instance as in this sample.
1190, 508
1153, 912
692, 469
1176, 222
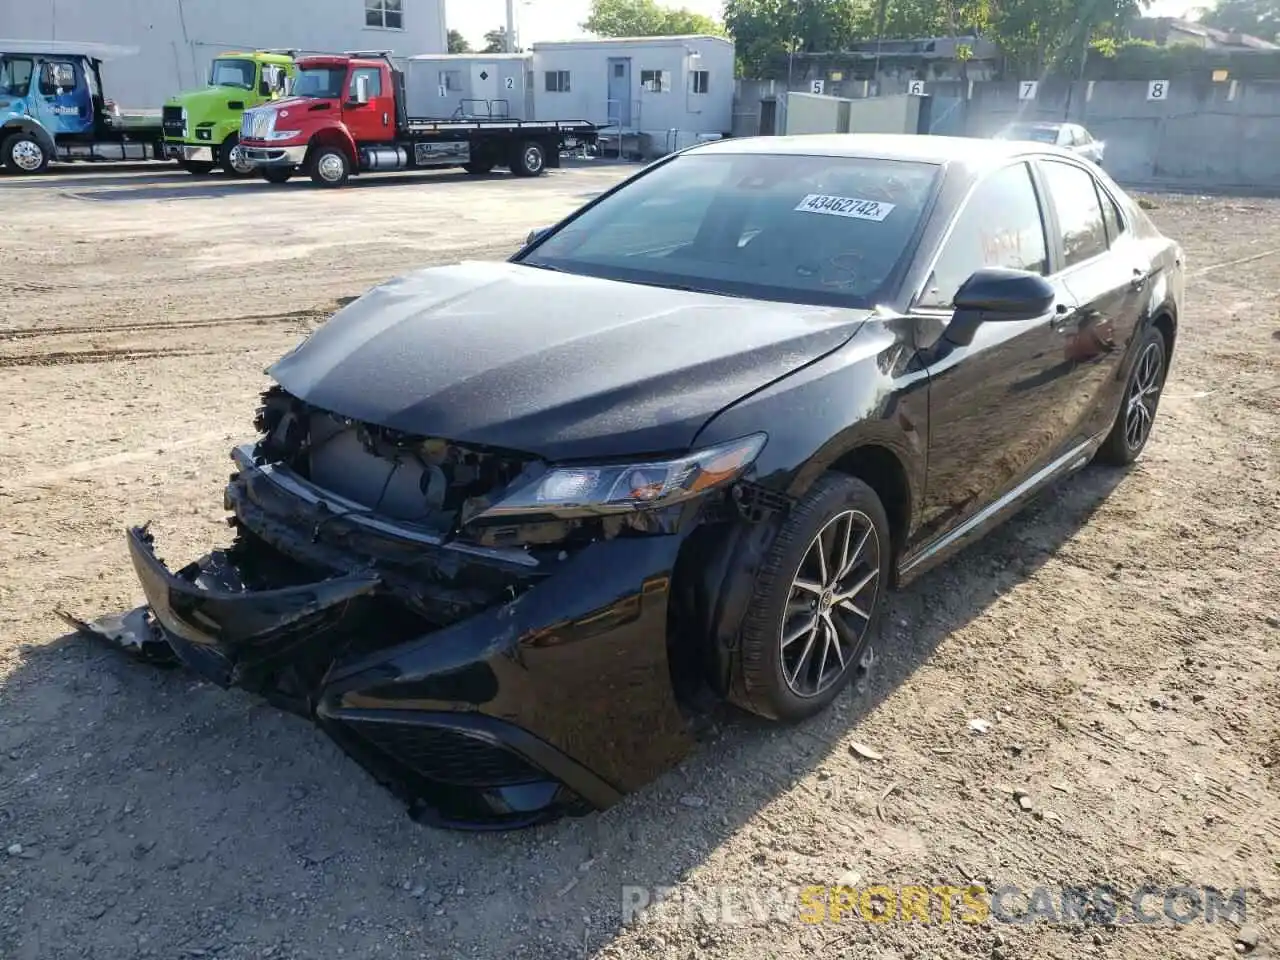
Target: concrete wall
177, 39
1205, 134
895, 114
807, 113
654, 113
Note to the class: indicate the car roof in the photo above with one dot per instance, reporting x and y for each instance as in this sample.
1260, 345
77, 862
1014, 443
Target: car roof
970, 152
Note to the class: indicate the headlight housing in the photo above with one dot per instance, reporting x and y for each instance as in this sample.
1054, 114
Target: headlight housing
569, 491
282, 134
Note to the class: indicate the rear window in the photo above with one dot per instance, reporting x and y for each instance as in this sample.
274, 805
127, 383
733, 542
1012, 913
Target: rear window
823, 230
1030, 132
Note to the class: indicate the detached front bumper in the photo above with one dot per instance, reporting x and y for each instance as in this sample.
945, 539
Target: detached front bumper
555, 701
182, 151
274, 156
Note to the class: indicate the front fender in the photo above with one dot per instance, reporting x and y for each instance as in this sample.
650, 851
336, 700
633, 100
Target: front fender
339, 135
871, 392
24, 124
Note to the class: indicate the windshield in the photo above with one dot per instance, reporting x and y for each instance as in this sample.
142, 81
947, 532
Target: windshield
799, 229
233, 73
320, 82
1030, 131
15, 76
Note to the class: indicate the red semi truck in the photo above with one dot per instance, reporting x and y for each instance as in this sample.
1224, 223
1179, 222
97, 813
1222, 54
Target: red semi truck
347, 114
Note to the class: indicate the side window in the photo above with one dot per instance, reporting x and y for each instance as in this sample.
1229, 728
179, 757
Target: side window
1111, 216
1075, 201
375, 81
57, 76
15, 76
1000, 226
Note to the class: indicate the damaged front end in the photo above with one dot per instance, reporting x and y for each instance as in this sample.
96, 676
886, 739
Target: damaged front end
485, 632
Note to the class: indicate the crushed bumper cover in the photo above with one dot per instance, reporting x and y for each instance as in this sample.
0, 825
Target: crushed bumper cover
555, 701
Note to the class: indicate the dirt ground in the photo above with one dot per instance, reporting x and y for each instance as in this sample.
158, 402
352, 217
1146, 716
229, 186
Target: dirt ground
1121, 638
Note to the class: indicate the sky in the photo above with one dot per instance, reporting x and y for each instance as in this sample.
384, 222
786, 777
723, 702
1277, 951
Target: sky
558, 19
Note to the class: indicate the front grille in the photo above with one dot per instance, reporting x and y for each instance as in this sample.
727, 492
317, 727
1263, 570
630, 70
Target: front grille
257, 124
447, 756
173, 121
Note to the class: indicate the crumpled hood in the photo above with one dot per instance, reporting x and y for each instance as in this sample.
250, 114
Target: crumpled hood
552, 364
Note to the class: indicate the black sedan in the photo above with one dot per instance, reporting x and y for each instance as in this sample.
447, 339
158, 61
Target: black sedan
502, 523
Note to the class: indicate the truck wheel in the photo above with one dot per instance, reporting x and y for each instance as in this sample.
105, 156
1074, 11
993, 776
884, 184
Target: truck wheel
232, 159
330, 166
22, 153
277, 174
197, 167
529, 159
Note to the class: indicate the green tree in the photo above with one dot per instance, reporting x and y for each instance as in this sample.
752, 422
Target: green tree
495, 41
644, 18
1258, 17
766, 31
458, 43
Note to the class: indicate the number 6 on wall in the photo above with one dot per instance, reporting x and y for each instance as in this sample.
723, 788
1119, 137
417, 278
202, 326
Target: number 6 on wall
915, 88
1158, 90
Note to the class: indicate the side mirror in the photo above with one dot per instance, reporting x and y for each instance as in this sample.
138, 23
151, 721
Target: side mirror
362, 90
536, 235
995, 294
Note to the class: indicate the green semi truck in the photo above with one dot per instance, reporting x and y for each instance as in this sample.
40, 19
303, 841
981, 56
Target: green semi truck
202, 127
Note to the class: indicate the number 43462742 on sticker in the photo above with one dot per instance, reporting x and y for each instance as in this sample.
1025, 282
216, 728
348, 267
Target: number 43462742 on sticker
845, 207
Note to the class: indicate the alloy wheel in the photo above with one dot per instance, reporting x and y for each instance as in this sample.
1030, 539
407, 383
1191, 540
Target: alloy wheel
533, 159
28, 155
830, 606
1144, 394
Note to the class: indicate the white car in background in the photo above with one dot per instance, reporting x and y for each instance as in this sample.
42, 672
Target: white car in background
1069, 136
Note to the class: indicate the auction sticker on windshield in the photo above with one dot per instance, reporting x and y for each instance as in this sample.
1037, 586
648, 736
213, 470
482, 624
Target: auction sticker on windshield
846, 207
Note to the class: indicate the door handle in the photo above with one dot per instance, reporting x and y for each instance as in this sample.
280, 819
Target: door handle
1139, 278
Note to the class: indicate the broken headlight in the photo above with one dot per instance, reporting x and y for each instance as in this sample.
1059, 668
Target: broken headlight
586, 491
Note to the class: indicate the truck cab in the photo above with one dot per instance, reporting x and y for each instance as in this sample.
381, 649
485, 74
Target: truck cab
53, 107
202, 127
347, 114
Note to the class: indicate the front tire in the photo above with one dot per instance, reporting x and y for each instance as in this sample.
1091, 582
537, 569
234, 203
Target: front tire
1136, 416
330, 166
277, 174
529, 159
23, 153
198, 168
232, 160
809, 628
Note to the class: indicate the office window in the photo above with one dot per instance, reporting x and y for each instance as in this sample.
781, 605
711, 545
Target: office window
386, 14
557, 81
451, 79
655, 81
701, 81
57, 76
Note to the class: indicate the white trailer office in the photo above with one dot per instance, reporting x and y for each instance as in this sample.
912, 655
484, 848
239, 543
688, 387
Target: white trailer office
470, 84
675, 90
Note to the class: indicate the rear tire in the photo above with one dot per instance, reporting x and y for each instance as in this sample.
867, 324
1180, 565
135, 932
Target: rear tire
329, 166
23, 153
810, 625
529, 159
232, 162
1136, 416
197, 168
277, 174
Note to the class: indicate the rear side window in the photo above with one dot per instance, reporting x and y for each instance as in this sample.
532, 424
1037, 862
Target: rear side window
1000, 226
15, 76
1111, 216
1075, 201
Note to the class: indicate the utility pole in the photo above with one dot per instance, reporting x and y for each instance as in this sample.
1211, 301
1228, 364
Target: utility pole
511, 26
